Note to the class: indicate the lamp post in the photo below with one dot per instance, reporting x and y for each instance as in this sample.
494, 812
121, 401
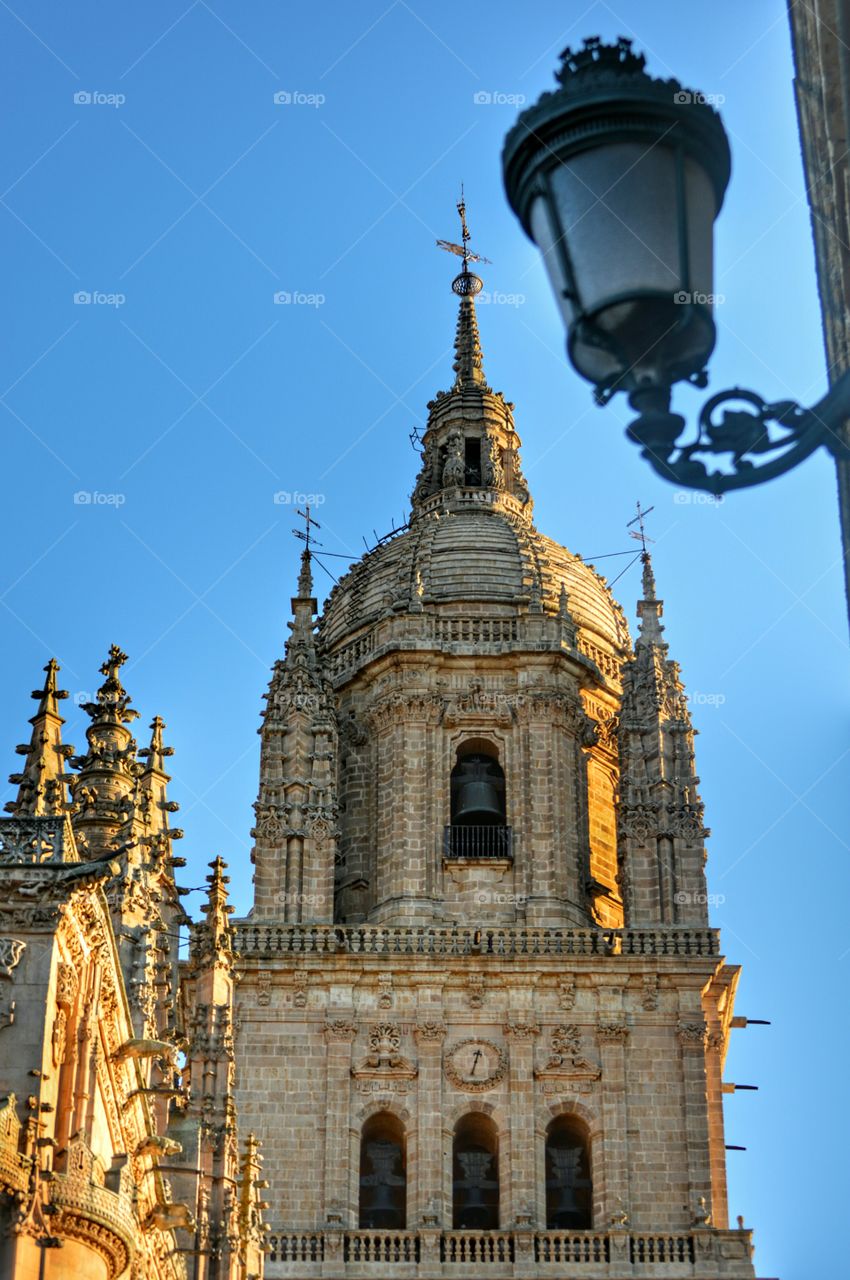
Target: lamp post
618, 178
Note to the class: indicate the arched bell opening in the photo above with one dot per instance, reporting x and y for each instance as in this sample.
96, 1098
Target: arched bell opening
383, 1174
475, 1174
478, 786
478, 826
569, 1186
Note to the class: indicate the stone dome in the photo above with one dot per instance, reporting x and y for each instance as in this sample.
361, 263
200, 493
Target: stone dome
463, 558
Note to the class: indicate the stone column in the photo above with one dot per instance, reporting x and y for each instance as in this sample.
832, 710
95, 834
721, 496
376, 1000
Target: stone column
692, 1037
339, 1036
428, 1207
521, 1030
613, 1034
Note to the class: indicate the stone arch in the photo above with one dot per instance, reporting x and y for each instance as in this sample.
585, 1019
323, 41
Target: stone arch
591, 1118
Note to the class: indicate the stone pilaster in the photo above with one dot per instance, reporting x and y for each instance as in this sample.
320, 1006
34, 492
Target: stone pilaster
613, 1034
520, 1031
692, 1034
429, 1209
339, 1037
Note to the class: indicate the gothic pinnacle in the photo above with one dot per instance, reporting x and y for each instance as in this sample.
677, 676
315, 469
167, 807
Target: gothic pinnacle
650, 608
41, 789
155, 754
112, 703
214, 937
305, 577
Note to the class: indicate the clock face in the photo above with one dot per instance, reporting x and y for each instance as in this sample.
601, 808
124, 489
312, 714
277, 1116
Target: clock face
474, 1065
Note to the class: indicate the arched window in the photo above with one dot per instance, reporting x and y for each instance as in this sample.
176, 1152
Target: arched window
383, 1174
475, 1174
478, 815
569, 1190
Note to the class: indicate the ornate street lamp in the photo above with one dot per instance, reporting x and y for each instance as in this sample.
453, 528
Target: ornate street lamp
618, 178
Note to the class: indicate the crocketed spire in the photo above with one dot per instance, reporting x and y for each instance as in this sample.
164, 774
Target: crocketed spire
213, 939
650, 608
469, 358
41, 786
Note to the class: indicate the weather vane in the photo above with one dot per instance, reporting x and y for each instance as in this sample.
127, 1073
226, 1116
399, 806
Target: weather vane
639, 534
306, 534
466, 282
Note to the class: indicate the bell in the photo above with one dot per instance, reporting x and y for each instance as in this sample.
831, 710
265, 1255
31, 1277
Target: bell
477, 792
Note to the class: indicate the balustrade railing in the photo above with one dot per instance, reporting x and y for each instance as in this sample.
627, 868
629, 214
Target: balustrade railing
574, 1246
662, 1248
258, 940
381, 1246
308, 1253
478, 1247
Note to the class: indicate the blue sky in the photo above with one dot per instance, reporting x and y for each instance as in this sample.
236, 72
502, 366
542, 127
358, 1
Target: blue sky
182, 195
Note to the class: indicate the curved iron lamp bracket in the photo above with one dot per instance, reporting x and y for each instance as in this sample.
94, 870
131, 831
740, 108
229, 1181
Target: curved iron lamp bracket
782, 434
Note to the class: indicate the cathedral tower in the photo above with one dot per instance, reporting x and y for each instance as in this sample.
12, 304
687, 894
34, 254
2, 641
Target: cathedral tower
482, 1016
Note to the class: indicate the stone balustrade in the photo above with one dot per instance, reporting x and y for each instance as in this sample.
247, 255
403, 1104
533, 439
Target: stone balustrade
265, 941
432, 1254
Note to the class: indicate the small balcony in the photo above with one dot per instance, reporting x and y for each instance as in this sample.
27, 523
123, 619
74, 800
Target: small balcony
478, 843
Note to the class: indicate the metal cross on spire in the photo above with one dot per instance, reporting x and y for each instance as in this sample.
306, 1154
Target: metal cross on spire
466, 282
306, 534
639, 534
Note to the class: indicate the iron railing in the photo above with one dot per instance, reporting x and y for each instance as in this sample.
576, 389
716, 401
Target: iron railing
478, 842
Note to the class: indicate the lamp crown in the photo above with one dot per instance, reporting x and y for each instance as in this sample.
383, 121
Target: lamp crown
598, 57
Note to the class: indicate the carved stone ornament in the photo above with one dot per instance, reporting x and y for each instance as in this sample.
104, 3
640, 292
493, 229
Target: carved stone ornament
612, 1032
521, 1028
638, 822
566, 1059
475, 1065
567, 995
693, 1034
430, 1032
384, 1058
11, 950
340, 1029
649, 996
